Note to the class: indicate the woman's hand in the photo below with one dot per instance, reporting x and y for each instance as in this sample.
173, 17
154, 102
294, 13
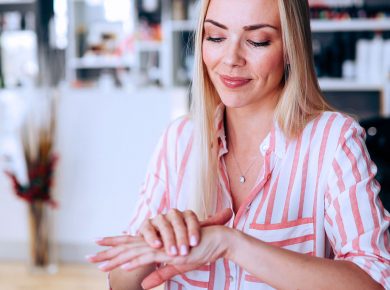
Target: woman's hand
216, 242
130, 252
176, 231
123, 249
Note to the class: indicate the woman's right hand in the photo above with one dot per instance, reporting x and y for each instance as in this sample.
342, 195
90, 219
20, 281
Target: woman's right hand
176, 231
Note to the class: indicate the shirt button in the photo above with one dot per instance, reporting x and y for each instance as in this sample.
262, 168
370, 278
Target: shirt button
264, 148
231, 278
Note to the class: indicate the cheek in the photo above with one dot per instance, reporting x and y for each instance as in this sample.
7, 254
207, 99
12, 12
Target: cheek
270, 64
210, 56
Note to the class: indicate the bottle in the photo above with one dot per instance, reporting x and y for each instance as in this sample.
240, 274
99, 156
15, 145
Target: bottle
375, 62
386, 61
362, 59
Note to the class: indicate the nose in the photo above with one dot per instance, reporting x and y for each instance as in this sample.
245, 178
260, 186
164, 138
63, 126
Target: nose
233, 55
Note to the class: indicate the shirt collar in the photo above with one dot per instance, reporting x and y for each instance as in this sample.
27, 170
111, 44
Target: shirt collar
274, 142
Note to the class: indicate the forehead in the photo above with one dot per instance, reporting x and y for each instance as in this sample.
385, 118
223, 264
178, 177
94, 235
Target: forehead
244, 12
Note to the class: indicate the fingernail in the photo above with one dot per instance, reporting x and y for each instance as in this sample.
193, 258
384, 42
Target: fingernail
183, 250
193, 241
89, 257
143, 285
99, 239
157, 243
173, 251
103, 266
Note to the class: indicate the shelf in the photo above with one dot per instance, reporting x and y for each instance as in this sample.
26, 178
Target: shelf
181, 25
350, 25
334, 84
100, 62
17, 5
316, 25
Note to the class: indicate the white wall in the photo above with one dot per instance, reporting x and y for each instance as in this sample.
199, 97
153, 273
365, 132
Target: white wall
105, 140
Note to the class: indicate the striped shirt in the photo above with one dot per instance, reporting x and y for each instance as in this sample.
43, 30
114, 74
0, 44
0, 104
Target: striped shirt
316, 195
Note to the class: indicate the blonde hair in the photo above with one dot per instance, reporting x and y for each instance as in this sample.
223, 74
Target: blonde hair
300, 101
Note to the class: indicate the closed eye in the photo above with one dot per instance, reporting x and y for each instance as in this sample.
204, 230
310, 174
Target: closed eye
259, 44
215, 39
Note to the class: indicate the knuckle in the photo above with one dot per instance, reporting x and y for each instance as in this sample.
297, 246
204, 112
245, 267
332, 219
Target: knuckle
168, 236
190, 214
145, 225
192, 218
177, 223
173, 212
158, 217
157, 220
164, 226
182, 238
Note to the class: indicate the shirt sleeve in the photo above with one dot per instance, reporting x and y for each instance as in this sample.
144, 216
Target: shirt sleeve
356, 222
154, 192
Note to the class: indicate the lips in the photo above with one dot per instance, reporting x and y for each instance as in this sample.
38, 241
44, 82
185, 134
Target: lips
234, 82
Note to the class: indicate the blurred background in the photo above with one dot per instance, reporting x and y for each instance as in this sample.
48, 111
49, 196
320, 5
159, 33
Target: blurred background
108, 76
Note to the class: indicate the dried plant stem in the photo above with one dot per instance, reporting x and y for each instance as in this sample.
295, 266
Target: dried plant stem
39, 228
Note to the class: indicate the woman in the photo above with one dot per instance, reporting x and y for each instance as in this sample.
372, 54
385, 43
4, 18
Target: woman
263, 143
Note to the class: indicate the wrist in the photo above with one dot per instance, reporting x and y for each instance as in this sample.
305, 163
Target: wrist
231, 243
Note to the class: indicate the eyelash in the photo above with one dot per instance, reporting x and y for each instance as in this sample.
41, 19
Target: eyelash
215, 39
259, 44
253, 43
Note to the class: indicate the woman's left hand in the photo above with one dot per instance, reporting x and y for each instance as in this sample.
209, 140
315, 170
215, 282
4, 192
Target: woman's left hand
129, 252
132, 252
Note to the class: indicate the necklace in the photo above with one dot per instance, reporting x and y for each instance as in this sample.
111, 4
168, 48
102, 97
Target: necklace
242, 176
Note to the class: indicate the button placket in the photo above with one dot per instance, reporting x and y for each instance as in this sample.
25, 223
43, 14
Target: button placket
233, 275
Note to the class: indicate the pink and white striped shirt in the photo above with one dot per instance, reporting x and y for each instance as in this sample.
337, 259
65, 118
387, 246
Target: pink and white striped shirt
315, 195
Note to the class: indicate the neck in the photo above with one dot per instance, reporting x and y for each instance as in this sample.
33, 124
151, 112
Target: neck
247, 127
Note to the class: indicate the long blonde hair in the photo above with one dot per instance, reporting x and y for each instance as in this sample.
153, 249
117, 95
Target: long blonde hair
300, 101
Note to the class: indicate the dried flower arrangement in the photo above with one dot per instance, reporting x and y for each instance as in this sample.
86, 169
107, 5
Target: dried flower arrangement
37, 138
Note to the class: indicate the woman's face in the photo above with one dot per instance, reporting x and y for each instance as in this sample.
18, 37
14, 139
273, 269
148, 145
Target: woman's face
243, 51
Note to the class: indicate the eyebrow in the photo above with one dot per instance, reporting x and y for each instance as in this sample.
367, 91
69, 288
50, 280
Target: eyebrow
246, 28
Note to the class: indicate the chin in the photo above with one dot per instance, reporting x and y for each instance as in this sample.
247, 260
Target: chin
233, 101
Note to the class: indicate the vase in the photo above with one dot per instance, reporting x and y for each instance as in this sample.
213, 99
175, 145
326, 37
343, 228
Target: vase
42, 254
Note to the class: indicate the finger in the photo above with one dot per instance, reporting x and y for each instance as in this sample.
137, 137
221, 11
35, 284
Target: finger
176, 219
111, 252
146, 258
219, 218
163, 274
193, 227
149, 233
167, 234
105, 255
115, 241
126, 256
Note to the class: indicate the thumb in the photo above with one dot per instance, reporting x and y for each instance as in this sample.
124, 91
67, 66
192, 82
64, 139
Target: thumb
220, 218
163, 274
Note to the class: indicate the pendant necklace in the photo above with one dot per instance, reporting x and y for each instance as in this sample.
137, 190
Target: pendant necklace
243, 174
